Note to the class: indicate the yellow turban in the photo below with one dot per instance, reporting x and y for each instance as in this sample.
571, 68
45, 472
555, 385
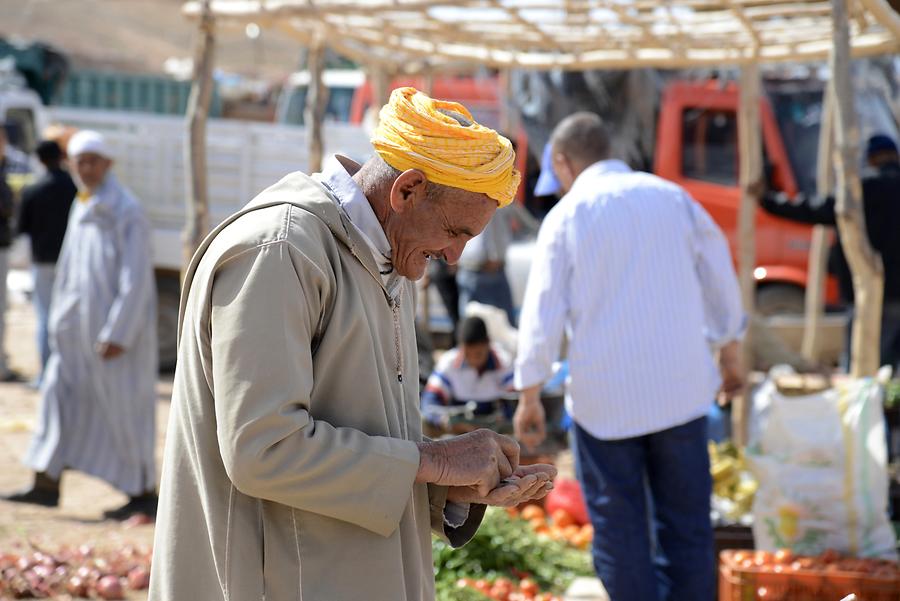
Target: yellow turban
412, 133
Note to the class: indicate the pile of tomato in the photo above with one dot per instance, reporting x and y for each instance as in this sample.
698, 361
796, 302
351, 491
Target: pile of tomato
504, 589
79, 572
784, 561
559, 525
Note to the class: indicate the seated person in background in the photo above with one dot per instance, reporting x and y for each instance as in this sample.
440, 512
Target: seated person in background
473, 371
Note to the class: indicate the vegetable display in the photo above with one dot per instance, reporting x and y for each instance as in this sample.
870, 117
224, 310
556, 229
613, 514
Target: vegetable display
507, 549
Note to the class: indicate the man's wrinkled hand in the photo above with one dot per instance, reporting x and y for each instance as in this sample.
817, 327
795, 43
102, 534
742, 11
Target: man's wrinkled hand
479, 459
109, 350
528, 483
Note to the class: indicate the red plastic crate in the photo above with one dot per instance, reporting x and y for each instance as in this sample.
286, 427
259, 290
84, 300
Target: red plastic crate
737, 583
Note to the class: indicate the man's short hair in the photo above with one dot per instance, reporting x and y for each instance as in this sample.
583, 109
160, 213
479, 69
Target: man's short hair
583, 137
472, 330
49, 152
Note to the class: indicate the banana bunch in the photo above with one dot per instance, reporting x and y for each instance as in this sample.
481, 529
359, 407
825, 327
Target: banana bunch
731, 480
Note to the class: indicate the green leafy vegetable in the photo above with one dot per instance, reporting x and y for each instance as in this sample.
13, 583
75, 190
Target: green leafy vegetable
507, 547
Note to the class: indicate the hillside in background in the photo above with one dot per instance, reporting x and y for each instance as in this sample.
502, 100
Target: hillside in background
139, 35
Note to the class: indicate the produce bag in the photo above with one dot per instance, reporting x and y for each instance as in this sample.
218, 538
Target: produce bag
821, 463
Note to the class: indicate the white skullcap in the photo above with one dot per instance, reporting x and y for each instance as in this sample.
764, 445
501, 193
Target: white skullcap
89, 141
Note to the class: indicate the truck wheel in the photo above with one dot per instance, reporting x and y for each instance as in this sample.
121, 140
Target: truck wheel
168, 291
780, 299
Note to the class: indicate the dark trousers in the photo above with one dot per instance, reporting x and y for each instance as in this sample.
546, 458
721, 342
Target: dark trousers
648, 498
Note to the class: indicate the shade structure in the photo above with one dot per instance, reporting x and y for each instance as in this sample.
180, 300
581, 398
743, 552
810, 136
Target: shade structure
571, 34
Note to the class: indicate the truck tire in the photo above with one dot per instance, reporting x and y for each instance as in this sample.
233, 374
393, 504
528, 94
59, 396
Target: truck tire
168, 290
780, 299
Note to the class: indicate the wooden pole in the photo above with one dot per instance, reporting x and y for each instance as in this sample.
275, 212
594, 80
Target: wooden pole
865, 263
314, 112
506, 111
380, 87
428, 82
380, 83
196, 194
818, 250
750, 141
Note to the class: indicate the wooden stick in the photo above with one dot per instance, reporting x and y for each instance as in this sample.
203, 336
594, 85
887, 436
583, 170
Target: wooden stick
750, 144
818, 250
196, 224
865, 263
314, 112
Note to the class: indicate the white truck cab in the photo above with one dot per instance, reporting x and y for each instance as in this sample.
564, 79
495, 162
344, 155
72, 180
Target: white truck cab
23, 112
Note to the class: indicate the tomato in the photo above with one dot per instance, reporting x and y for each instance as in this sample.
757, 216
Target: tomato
783, 556
739, 556
482, 585
501, 590
561, 518
529, 587
531, 512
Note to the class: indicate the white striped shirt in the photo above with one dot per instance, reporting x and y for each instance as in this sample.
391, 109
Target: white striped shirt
641, 279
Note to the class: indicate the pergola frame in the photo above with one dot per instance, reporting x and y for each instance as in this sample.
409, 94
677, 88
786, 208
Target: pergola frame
574, 34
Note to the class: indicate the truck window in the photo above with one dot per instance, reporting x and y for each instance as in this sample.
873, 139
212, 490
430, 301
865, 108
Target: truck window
709, 146
21, 129
337, 108
799, 116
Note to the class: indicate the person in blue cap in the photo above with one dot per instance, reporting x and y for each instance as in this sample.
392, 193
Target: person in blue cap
881, 204
548, 183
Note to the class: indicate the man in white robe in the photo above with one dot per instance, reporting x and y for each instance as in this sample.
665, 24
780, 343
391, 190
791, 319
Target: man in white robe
98, 394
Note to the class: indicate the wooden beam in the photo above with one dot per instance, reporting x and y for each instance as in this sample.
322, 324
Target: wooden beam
314, 112
749, 27
888, 16
196, 224
750, 152
865, 263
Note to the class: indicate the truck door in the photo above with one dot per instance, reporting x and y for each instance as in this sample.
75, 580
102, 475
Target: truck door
697, 148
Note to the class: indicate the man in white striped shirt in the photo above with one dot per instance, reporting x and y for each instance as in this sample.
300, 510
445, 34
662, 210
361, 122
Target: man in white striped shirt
640, 278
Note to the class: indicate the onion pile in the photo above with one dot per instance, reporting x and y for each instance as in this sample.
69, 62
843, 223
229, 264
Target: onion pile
82, 572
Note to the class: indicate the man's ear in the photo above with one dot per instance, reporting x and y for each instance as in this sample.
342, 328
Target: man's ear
408, 189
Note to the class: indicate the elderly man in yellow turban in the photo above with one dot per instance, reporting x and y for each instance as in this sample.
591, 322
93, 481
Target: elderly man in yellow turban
295, 466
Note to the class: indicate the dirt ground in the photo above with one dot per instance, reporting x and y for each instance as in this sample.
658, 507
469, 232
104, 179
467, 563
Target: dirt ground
79, 519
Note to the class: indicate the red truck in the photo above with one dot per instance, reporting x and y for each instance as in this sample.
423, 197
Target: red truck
697, 147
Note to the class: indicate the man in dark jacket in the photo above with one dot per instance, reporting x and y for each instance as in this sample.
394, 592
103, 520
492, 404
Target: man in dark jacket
44, 214
881, 204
